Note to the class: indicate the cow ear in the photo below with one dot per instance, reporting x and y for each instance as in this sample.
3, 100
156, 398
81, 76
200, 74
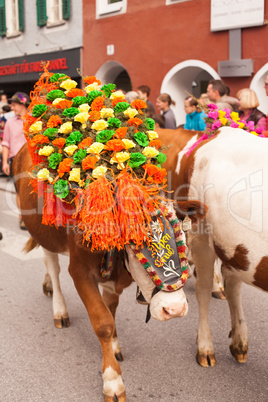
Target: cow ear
196, 210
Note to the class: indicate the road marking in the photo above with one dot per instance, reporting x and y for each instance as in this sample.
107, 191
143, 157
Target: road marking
13, 243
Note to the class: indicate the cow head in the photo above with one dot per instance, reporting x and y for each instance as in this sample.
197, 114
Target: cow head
164, 305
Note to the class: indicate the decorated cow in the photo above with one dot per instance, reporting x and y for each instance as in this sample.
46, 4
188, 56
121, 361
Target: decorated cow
91, 184
225, 168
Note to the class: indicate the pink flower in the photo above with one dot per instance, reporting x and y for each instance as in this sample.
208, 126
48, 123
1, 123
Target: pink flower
213, 114
216, 125
234, 125
259, 130
227, 113
212, 106
250, 125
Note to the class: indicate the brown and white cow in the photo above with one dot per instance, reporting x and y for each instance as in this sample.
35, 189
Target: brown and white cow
230, 174
84, 268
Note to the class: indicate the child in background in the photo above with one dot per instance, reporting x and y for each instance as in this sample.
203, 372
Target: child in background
194, 118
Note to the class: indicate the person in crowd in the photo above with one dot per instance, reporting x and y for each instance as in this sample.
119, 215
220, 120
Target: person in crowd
131, 96
3, 100
159, 120
163, 103
204, 99
217, 93
143, 94
13, 138
248, 104
194, 117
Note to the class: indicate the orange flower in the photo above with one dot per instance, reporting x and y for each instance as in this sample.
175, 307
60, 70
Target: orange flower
150, 169
121, 132
64, 104
90, 80
118, 99
72, 93
85, 143
89, 162
97, 104
28, 120
159, 177
115, 145
138, 104
134, 122
65, 166
155, 143
94, 115
59, 142
54, 121
39, 139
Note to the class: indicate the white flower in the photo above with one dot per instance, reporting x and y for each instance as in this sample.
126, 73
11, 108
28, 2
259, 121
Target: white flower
92, 87
99, 172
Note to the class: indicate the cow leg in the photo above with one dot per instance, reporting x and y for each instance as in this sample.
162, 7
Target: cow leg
239, 331
218, 288
204, 258
103, 324
51, 286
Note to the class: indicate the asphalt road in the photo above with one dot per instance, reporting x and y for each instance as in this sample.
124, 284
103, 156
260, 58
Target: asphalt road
41, 363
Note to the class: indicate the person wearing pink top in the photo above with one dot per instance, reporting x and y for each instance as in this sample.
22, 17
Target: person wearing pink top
248, 103
13, 137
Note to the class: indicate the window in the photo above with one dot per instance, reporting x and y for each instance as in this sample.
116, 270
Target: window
11, 17
110, 7
52, 12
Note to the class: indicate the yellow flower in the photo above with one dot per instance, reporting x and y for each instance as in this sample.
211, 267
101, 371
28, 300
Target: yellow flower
150, 152
120, 157
37, 126
99, 172
241, 125
66, 128
95, 148
254, 133
128, 143
68, 84
70, 149
84, 108
46, 150
222, 113
234, 116
117, 94
75, 175
99, 125
130, 113
152, 135
92, 87
81, 117
43, 174
106, 113
57, 100
223, 120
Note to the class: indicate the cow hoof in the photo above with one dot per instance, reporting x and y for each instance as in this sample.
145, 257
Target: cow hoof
115, 398
119, 357
239, 355
206, 360
219, 295
62, 322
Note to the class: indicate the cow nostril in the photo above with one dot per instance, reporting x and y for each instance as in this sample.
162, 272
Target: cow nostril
166, 311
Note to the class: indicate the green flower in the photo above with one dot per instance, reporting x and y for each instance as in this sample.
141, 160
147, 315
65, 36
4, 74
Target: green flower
80, 155
38, 110
150, 123
136, 159
121, 107
104, 135
114, 122
161, 158
54, 160
79, 100
54, 94
107, 89
58, 77
70, 112
51, 133
142, 139
93, 94
61, 188
73, 138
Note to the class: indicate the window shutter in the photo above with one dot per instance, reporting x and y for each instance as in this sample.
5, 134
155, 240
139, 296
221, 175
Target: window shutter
65, 9
3, 27
41, 12
21, 15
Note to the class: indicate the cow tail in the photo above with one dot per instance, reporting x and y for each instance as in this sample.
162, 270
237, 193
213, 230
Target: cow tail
30, 245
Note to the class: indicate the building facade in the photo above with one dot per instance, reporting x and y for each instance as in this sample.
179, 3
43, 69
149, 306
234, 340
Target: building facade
176, 46
34, 31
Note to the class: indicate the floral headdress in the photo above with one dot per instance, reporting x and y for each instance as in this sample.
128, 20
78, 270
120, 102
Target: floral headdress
92, 149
